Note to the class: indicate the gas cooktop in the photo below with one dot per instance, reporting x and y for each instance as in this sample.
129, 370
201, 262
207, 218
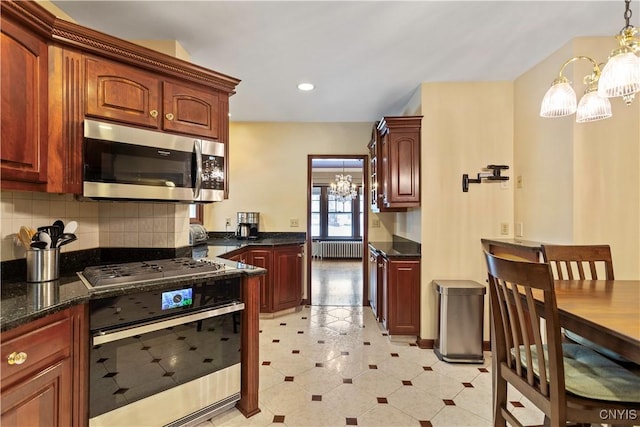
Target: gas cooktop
136, 272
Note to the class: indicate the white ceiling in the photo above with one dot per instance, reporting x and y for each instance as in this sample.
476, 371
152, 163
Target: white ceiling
366, 58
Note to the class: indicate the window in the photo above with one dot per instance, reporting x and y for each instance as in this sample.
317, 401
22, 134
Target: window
196, 215
331, 218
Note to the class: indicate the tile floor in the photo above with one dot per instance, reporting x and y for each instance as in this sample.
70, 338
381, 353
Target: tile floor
336, 282
334, 366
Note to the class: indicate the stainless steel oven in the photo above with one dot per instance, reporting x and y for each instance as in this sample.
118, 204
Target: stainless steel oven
166, 357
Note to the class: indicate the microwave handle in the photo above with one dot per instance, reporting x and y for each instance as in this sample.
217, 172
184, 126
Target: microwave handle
198, 183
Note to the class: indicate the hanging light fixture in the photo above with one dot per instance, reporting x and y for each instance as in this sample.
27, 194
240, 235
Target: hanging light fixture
343, 189
620, 77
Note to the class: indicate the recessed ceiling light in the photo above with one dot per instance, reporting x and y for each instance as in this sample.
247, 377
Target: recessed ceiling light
306, 86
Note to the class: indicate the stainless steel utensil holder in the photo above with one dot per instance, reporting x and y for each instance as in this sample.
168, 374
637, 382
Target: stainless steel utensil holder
43, 264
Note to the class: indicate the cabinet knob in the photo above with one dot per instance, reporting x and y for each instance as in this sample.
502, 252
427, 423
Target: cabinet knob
299, 255
153, 113
17, 358
169, 116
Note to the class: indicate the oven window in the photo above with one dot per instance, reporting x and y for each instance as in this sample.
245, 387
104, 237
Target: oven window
133, 368
114, 162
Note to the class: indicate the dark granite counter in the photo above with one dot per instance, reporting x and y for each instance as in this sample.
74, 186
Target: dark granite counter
23, 302
398, 248
220, 244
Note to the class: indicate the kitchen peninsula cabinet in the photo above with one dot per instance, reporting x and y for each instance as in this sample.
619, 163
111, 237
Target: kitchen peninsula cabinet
281, 287
127, 94
394, 152
400, 295
23, 84
43, 375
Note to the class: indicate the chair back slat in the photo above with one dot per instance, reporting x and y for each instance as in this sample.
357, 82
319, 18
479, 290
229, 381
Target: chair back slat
522, 349
566, 260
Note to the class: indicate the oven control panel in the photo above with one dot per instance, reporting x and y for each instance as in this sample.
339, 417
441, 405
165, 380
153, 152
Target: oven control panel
175, 299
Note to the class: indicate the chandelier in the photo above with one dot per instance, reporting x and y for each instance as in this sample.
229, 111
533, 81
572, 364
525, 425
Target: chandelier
620, 77
343, 190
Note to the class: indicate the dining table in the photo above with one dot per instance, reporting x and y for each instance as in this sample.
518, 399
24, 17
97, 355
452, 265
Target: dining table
606, 312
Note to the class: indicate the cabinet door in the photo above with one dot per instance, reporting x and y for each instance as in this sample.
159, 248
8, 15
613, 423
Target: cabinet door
262, 258
192, 110
383, 275
403, 179
373, 281
403, 297
287, 278
37, 372
24, 115
44, 400
122, 93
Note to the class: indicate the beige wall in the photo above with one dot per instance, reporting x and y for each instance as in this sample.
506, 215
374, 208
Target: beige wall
580, 181
466, 126
268, 171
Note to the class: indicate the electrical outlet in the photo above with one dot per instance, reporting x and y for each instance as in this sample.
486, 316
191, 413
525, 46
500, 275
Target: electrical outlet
227, 222
293, 222
519, 181
504, 228
375, 223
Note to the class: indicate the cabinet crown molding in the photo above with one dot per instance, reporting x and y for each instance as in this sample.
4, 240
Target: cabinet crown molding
68, 34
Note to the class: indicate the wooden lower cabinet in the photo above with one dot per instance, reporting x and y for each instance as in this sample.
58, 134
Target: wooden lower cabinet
262, 258
43, 375
281, 287
287, 277
401, 295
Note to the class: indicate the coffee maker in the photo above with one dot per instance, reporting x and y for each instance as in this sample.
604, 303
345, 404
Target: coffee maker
248, 225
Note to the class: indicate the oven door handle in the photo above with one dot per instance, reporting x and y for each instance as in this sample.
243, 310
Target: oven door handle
107, 337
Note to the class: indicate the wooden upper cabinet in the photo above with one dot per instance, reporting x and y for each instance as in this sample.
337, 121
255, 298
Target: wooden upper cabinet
395, 149
190, 110
23, 85
126, 94
122, 93
400, 140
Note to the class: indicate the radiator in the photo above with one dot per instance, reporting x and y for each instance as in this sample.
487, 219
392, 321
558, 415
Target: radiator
329, 249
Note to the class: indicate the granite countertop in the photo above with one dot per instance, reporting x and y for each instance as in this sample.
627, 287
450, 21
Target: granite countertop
23, 302
397, 249
220, 245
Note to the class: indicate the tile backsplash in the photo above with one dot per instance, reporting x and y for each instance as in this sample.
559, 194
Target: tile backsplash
101, 224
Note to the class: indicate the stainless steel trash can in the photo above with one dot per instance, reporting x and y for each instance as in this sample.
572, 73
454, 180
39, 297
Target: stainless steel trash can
460, 321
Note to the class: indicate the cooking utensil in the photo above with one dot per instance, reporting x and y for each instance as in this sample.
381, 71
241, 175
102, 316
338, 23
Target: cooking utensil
64, 239
39, 245
24, 236
59, 223
70, 228
44, 237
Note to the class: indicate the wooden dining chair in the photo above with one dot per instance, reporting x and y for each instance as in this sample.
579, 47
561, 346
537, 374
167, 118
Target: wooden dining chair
579, 262
567, 382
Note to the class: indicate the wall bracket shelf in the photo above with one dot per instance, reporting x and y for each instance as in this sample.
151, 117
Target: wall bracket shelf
493, 175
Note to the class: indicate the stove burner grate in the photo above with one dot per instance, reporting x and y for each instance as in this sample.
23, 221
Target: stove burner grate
112, 274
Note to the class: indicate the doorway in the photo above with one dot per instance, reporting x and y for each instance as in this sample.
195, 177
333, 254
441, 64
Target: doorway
337, 231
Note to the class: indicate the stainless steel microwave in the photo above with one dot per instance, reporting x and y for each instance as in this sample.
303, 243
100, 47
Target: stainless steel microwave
122, 162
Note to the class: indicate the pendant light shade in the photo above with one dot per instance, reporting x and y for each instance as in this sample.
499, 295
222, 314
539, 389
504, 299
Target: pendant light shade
593, 107
560, 100
620, 76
